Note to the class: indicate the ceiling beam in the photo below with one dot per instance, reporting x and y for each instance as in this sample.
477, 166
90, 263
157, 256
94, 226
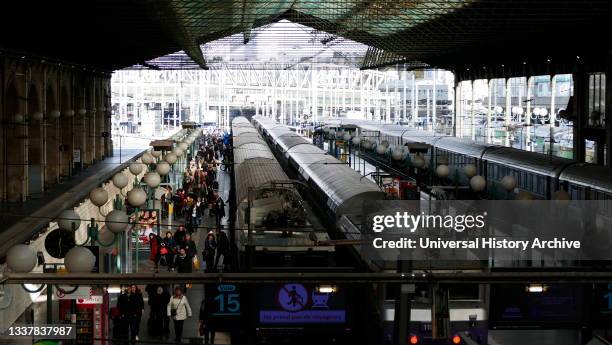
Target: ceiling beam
456, 277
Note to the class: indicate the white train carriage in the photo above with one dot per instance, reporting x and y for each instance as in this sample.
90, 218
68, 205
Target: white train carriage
271, 217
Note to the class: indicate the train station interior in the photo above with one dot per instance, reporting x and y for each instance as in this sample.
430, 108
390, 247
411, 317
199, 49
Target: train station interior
375, 172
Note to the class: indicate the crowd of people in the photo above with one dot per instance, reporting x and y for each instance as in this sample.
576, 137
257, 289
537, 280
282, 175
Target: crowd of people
197, 198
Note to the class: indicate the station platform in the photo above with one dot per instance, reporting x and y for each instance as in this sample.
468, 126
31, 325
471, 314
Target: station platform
195, 294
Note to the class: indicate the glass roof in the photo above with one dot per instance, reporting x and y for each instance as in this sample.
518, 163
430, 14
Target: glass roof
279, 45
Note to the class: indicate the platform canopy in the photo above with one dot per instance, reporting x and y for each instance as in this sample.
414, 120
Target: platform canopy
114, 34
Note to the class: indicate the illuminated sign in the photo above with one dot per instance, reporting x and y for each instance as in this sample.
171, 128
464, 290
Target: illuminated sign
223, 300
294, 303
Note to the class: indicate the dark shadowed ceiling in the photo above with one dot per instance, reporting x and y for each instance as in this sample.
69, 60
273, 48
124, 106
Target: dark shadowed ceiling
113, 34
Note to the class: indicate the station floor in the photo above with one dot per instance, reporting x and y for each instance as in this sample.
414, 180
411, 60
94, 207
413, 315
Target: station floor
195, 295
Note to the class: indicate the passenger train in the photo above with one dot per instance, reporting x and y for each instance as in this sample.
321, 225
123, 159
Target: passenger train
339, 192
275, 229
542, 176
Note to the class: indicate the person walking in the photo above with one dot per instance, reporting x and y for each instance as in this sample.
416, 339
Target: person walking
121, 321
193, 216
190, 247
219, 207
155, 245
170, 250
159, 324
135, 309
179, 310
179, 236
183, 263
210, 247
223, 248
206, 328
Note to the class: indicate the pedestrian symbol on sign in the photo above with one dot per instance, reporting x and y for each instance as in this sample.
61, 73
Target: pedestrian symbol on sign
293, 297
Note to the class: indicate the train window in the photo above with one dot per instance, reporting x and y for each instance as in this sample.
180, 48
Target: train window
504, 171
597, 195
492, 171
576, 192
520, 179
528, 182
597, 99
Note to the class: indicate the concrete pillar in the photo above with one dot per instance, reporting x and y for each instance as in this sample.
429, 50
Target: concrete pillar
36, 142
580, 108
66, 127
52, 133
15, 133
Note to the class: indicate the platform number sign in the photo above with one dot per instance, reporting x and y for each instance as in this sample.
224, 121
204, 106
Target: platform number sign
224, 300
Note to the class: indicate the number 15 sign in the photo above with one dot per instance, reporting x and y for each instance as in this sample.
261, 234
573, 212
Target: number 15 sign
222, 301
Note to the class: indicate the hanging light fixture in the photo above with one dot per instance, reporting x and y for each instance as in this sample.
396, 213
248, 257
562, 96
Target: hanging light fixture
397, 153
163, 168
54, 114
170, 158
98, 196
418, 161
470, 170
478, 183
120, 180
137, 197
21, 258
152, 179
147, 158
443, 171
79, 260
37, 116
18, 118
116, 221
136, 168
508, 182
177, 151
67, 219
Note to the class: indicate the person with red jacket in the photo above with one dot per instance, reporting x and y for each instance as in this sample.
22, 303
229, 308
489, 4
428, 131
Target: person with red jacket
155, 245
